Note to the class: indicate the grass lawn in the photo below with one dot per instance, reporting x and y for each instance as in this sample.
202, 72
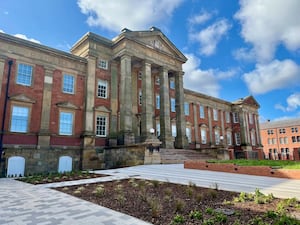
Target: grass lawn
284, 164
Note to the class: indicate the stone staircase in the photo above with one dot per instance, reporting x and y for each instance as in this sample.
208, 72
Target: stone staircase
175, 156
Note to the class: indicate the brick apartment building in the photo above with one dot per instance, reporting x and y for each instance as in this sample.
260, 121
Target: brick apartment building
68, 110
281, 139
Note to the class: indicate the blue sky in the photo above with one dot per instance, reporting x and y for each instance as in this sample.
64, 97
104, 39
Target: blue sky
234, 48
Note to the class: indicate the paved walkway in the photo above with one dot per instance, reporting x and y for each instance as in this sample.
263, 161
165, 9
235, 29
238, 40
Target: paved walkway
25, 204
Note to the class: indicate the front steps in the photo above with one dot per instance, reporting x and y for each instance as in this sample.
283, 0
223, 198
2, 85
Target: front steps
176, 156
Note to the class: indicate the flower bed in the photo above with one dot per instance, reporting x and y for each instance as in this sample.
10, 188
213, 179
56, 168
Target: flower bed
251, 170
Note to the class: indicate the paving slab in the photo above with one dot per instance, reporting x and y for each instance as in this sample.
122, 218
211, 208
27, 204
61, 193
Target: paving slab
26, 204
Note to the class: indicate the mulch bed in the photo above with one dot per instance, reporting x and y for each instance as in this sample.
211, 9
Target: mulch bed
163, 203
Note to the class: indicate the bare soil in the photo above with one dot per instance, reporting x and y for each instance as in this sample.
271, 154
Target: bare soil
163, 203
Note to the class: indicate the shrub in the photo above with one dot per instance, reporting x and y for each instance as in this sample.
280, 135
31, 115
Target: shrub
196, 215
178, 219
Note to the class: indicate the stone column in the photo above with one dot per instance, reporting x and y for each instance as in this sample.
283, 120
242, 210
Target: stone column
114, 98
196, 127
89, 141
44, 134
181, 138
88, 134
2, 65
126, 100
257, 130
147, 101
165, 118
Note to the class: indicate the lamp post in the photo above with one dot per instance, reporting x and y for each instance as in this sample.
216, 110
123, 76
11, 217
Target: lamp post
10, 62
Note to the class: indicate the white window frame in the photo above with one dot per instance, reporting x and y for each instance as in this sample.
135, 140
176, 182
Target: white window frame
157, 101
101, 125
19, 119
252, 136
103, 64
229, 137
186, 108
227, 117
215, 114
172, 83
174, 130
203, 135
173, 103
235, 117
217, 136
140, 97
68, 88
201, 112
66, 127
188, 134
102, 89
24, 74
237, 137
157, 80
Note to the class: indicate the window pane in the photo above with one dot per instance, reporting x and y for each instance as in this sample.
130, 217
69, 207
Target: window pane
201, 111
24, 75
157, 102
172, 104
101, 126
102, 89
68, 84
172, 84
186, 109
19, 120
65, 123
203, 136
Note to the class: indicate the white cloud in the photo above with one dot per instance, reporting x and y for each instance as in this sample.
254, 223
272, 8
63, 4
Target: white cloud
275, 75
203, 81
132, 14
244, 54
1, 31
211, 36
200, 19
293, 103
26, 38
267, 24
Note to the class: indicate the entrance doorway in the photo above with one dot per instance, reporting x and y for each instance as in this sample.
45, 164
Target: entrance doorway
16, 166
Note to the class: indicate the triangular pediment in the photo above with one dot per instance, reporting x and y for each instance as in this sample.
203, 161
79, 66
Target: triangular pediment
67, 105
156, 40
102, 109
22, 98
249, 100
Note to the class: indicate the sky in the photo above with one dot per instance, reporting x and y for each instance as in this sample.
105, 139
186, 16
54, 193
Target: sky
234, 48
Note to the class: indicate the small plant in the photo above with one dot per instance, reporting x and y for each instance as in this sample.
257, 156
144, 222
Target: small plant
155, 207
209, 211
208, 222
178, 219
99, 190
191, 184
119, 188
196, 215
212, 193
189, 191
179, 205
155, 183
271, 214
121, 199
199, 197
168, 191
221, 218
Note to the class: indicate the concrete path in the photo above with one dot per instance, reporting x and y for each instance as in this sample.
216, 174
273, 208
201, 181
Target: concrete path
175, 173
25, 204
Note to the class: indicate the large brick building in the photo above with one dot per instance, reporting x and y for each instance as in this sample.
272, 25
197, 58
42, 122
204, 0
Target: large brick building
65, 109
281, 139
